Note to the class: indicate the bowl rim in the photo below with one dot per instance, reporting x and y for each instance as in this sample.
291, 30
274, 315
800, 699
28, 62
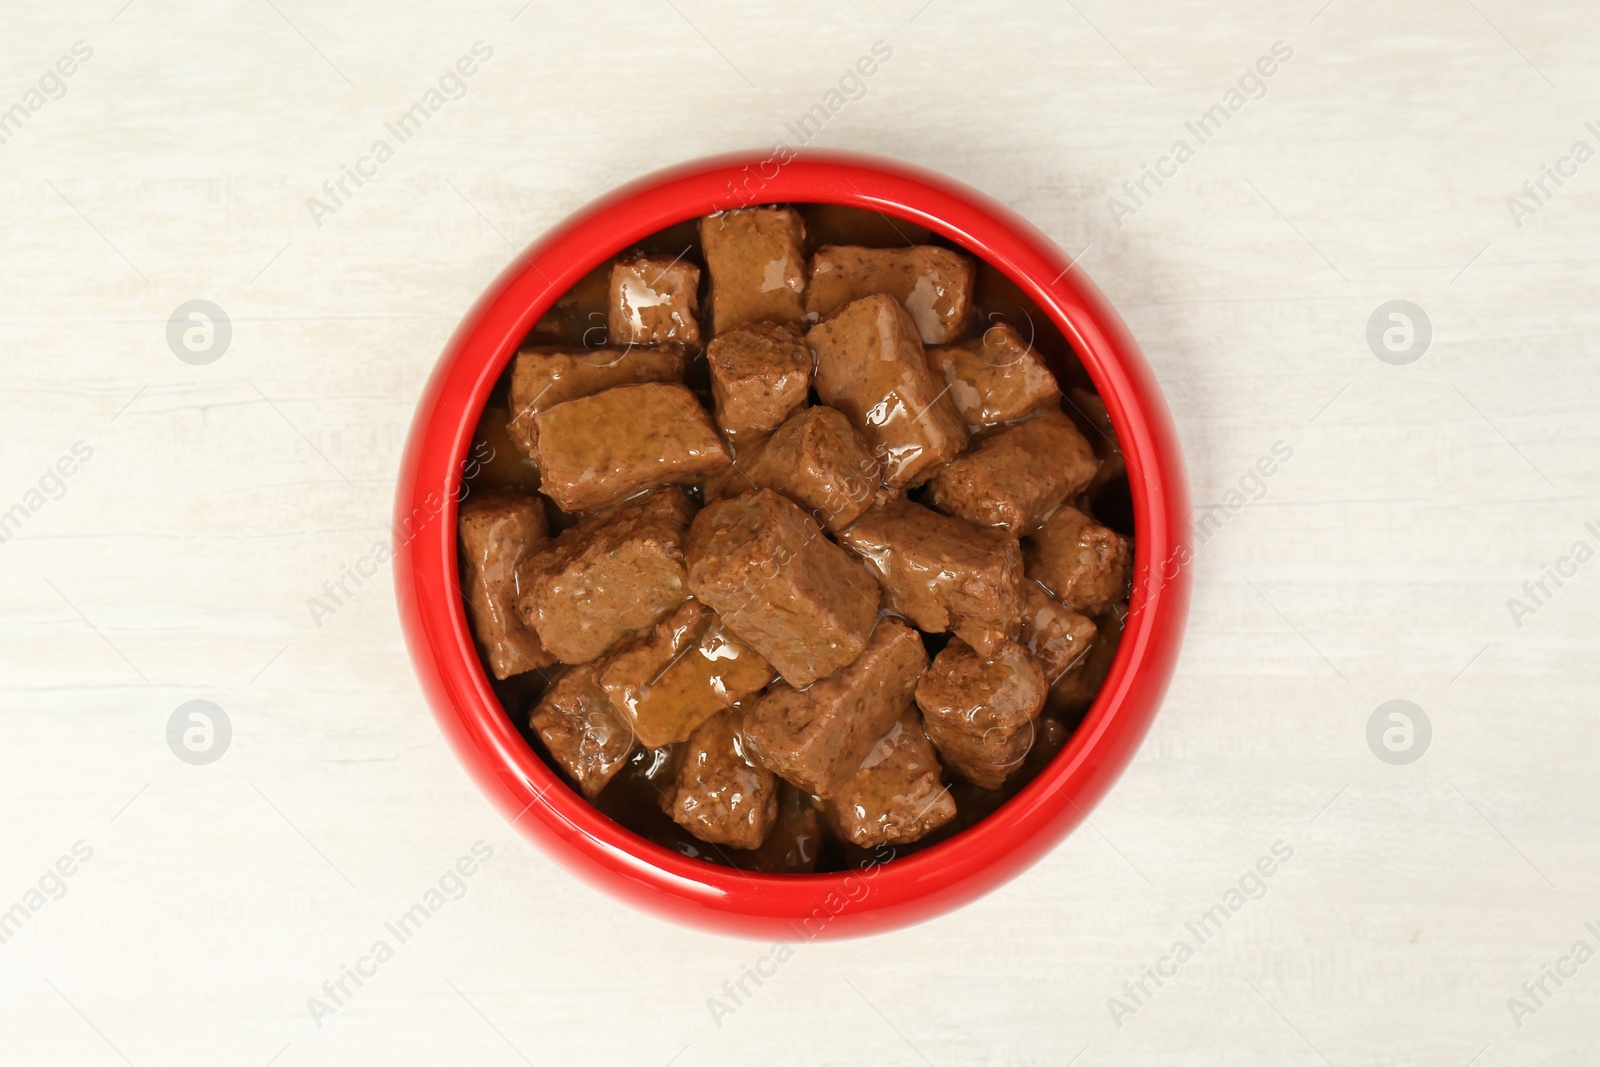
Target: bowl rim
880, 895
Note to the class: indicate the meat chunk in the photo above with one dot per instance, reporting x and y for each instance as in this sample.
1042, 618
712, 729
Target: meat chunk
1084, 564
721, 795
1089, 411
577, 315
980, 711
1016, 476
840, 224
581, 730
497, 531
757, 261
1076, 690
816, 737
615, 572
819, 461
1057, 637
934, 284
687, 669
600, 449
995, 378
895, 795
795, 843
733, 480
871, 366
941, 573
496, 459
653, 299
781, 585
760, 375
544, 377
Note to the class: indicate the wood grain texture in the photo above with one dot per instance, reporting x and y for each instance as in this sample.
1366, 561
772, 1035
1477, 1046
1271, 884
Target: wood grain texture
1376, 563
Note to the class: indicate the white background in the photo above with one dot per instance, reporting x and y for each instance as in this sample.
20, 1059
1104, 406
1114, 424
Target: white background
1377, 564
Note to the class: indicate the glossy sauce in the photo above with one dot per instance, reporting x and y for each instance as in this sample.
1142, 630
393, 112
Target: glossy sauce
706, 668
639, 292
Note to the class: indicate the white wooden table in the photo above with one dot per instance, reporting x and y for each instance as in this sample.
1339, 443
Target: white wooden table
208, 903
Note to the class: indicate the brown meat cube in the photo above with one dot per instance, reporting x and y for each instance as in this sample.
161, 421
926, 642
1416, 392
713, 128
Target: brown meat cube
652, 300
496, 459
735, 479
871, 366
840, 224
1077, 689
581, 729
816, 737
980, 712
615, 572
795, 843
895, 796
757, 261
760, 375
1084, 564
1015, 477
1090, 413
721, 795
941, 573
819, 461
994, 378
687, 669
600, 449
1057, 637
573, 318
781, 585
497, 531
935, 284
731, 481
544, 377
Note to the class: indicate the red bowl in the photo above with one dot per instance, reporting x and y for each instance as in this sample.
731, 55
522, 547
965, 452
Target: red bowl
722, 899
